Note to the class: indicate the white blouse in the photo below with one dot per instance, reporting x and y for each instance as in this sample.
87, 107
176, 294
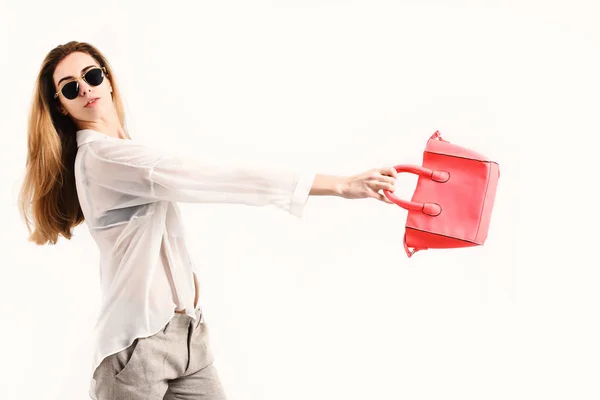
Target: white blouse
128, 193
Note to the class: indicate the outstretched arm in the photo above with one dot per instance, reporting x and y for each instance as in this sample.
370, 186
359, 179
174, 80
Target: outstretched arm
131, 168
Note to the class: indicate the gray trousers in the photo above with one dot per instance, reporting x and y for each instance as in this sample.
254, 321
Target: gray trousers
174, 364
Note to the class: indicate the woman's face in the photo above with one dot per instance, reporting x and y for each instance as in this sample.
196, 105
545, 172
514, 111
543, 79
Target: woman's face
73, 67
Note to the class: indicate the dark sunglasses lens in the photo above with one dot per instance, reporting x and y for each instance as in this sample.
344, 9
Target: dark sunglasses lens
94, 77
70, 90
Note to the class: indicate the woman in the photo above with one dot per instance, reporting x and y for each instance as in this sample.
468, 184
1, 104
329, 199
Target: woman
151, 341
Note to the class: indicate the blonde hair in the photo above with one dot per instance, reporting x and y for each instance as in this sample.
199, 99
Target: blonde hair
48, 196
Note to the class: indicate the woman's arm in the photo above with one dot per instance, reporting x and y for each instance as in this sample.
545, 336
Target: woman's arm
364, 185
131, 168
327, 185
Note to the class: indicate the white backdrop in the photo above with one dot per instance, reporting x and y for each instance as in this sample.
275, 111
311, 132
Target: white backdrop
328, 306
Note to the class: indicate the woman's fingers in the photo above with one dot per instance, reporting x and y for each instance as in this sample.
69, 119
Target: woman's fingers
370, 183
388, 171
384, 198
386, 185
387, 179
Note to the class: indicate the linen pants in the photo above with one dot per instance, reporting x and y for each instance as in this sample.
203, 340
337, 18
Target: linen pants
174, 364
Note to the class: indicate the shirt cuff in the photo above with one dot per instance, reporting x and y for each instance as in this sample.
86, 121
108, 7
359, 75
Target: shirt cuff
301, 193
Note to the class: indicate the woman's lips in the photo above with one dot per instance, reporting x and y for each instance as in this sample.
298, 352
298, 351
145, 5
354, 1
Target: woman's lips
94, 103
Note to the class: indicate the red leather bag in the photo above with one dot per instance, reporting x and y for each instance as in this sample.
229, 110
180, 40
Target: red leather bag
452, 203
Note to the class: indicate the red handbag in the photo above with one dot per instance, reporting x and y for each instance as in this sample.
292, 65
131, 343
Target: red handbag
452, 203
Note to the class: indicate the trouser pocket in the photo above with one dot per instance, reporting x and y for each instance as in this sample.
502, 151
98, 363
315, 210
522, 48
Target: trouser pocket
123, 360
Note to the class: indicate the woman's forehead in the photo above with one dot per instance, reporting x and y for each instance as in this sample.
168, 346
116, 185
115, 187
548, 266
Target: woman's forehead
72, 66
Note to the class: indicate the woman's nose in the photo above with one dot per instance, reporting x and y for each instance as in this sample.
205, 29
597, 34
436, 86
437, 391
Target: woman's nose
83, 87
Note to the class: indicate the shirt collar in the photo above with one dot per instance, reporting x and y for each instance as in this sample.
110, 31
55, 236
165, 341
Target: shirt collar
89, 135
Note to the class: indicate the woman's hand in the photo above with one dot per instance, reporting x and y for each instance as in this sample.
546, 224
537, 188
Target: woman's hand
368, 184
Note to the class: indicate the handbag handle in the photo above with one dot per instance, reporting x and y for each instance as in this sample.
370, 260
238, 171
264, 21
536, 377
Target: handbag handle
432, 209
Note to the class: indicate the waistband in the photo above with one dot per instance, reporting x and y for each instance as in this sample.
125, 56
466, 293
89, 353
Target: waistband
184, 320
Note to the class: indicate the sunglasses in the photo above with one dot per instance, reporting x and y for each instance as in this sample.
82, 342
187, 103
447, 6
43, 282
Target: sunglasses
93, 77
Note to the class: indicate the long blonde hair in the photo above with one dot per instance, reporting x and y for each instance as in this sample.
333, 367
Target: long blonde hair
48, 196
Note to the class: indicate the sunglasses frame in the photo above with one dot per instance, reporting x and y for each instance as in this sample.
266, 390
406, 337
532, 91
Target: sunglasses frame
82, 77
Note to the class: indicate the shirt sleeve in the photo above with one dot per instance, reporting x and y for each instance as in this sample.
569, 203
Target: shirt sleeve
132, 168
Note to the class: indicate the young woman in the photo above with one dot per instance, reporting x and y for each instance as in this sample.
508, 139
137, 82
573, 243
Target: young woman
151, 341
